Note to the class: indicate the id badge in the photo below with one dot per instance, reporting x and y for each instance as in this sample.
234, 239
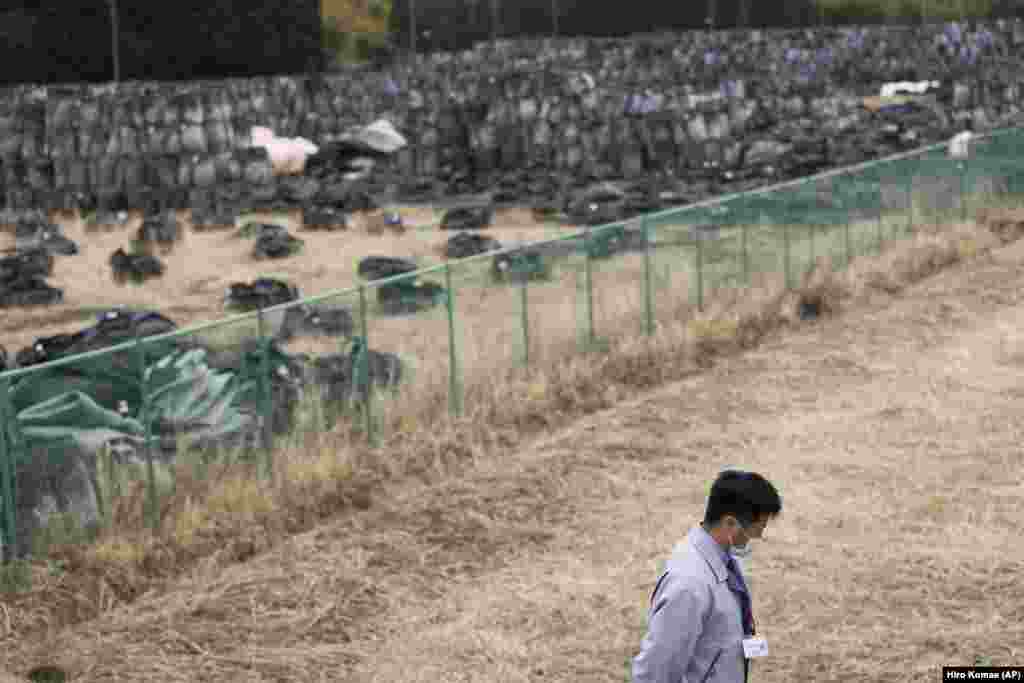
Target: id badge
755, 647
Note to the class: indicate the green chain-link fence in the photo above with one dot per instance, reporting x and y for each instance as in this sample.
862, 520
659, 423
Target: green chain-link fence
86, 435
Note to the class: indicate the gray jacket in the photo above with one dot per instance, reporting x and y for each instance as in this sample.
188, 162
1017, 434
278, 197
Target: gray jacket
694, 625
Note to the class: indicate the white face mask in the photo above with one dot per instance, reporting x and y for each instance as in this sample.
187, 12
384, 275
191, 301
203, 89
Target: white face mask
742, 551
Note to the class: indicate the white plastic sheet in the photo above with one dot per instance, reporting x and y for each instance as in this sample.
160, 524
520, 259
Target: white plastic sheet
287, 155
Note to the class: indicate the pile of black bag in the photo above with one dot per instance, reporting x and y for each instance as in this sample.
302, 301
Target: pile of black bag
402, 296
261, 293
23, 279
24, 271
272, 241
300, 319
135, 267
34, 231
161, 230
350, 377
465, 244
112, 327
469, 217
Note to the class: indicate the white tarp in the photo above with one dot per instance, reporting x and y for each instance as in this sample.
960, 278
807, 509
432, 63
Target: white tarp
916, 88
382, 137
960, 145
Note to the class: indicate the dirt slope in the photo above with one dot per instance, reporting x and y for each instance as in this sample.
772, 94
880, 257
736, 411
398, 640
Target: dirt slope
892, 432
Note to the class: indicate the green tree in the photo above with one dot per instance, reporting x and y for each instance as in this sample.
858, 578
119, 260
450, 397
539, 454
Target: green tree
928, 10
353, 28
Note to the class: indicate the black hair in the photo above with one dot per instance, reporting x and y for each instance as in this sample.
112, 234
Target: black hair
746, 496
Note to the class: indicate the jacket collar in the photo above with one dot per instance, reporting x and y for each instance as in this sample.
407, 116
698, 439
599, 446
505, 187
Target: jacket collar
710, 550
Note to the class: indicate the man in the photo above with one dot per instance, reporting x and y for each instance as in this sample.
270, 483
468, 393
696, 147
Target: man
700, 611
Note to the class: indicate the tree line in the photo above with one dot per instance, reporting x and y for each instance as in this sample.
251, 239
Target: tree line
458, 24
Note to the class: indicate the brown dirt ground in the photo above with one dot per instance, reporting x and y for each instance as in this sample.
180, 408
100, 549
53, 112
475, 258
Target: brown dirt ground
892, 431
205, 262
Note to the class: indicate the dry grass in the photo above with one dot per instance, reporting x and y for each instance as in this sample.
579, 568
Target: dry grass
895, 463
230, 515
889, 557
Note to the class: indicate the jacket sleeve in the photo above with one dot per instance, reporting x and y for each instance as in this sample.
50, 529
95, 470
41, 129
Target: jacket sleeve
674, 624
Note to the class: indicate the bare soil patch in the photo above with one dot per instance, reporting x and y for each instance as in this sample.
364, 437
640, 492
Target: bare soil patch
205, 262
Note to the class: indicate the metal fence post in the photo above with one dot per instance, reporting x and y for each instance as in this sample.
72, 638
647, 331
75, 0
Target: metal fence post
524, 319
589, 279
364, 361
910, 204
266, 396
113, 487
848, 246
15, 446
812, 247
879, 233
454, 388
1013, 181
786, 257
8, 467
648, 294
963, 190
153, 512
700, 270
744, 248
881, 207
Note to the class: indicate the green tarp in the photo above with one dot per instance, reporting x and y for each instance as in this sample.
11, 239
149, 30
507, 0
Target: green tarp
76, 415
184, 394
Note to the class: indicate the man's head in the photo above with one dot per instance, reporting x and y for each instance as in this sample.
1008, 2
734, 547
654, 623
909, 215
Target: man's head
740, 506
